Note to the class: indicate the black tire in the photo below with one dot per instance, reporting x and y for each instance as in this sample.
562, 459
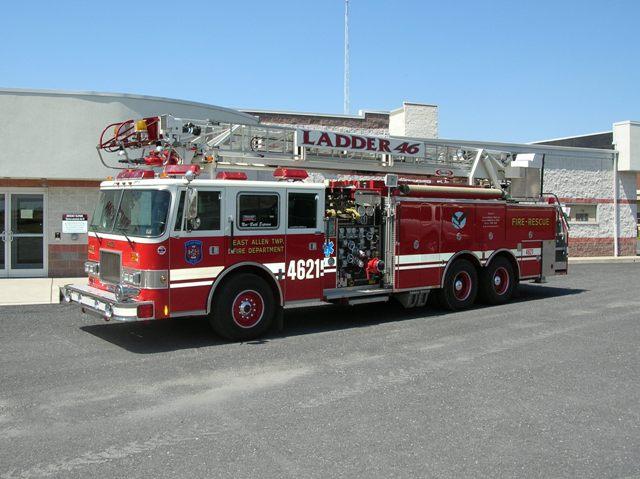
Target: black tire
497, 281
460, 286
243, 308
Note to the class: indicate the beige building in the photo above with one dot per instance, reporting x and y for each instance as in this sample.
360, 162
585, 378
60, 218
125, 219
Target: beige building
49, 168
50, 171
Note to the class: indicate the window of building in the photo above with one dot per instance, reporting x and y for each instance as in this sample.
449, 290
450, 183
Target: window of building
303, 210
583, 214
208, 211
258, 210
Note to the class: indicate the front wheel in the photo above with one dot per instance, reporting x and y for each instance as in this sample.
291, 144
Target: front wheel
460, 286
243, 308
497, 281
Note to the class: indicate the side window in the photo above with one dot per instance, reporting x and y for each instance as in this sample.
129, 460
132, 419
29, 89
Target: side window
257, 211
209, 210
303, 210
178, 225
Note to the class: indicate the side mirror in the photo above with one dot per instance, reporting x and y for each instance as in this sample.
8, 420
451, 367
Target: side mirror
192, 203
193, 224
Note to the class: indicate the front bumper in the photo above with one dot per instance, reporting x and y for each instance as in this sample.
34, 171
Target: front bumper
103, 304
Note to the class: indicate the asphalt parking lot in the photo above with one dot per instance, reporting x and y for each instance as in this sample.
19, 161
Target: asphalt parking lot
546, 386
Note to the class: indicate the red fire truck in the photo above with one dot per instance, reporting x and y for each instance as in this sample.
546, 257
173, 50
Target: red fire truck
182, 231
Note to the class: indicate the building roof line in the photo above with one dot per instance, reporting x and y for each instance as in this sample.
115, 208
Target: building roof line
572, 137
517, 147
361, 113
627, 122
405, 103
45, 92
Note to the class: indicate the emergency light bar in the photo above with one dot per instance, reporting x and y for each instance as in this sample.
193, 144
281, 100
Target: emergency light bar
181, 170
135, 174
231, 175
291, 174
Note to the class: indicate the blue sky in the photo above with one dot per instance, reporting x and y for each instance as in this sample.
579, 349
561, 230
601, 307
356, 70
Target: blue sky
498, 70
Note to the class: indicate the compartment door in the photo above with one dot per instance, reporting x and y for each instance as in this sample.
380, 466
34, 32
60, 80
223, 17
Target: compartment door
458, 229
305, 244
418, 260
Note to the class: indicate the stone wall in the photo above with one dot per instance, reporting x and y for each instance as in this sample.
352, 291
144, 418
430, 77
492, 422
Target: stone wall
590, 181
415, 120
369, 123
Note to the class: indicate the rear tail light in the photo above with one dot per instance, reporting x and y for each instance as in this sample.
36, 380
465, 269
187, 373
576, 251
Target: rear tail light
145, 311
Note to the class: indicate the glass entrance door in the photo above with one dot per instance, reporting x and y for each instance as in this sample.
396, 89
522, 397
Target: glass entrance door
3, 236
22, 234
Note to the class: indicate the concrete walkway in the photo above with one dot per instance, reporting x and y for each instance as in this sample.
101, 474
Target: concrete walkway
17, 291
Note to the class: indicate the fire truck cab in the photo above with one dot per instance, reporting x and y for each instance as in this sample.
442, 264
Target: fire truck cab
166, 242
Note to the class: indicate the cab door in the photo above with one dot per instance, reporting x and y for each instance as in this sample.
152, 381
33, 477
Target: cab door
304, 244
255, 228
197, 255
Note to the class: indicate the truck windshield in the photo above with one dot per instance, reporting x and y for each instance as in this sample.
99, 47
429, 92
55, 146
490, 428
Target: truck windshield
141, 213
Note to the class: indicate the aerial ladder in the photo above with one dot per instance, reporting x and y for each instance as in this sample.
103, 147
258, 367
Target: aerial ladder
169, 140
164, 140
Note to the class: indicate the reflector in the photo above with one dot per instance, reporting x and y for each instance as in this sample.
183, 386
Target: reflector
145, 311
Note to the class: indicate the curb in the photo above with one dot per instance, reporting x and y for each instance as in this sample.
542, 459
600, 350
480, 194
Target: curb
605, 259
27, 291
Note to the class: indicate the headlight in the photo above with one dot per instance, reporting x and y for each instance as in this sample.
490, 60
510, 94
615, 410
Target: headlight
91, 267
119, 292
132, 277
124, 293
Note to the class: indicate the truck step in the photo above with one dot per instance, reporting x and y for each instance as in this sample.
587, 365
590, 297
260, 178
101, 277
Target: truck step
370, 299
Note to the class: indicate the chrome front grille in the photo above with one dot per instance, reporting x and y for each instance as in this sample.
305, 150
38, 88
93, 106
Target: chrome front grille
109, 267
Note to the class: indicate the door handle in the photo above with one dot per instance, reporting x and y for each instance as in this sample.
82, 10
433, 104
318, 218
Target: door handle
230, 219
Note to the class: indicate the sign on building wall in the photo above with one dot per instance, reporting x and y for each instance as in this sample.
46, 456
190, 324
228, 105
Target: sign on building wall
74, 223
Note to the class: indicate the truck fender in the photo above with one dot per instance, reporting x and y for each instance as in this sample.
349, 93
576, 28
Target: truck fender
465, 253
244, 264
507, 252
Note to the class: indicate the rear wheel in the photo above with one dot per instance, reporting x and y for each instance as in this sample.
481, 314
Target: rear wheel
243, 308
460, 286
497, 281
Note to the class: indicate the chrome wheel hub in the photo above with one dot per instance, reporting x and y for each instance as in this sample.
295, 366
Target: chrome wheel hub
245, 307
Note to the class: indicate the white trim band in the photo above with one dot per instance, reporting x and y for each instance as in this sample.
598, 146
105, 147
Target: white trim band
420, 266
194, 273
191, 284
275, 267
